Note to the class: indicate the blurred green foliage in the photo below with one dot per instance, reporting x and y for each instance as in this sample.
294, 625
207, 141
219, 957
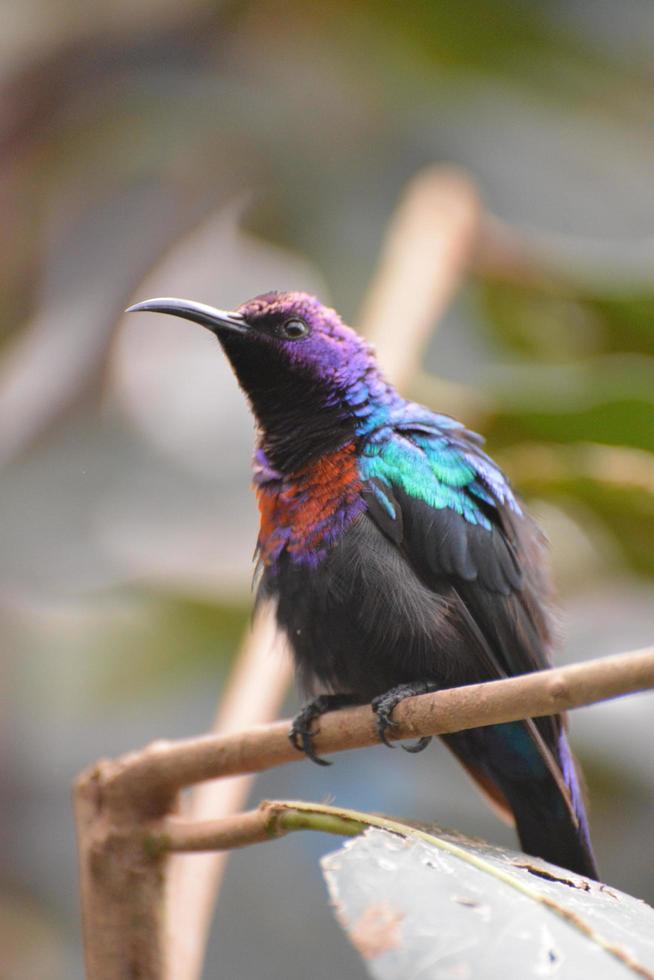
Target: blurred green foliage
556, 322
582, 372
167, 640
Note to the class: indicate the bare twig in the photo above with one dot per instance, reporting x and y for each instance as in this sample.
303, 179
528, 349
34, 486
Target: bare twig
428, 246
270, 820
123, 878
163, 769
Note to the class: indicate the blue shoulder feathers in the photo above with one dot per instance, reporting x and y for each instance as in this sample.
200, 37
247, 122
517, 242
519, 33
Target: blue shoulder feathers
426, 479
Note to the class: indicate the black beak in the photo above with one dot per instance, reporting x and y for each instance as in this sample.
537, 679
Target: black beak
218, 321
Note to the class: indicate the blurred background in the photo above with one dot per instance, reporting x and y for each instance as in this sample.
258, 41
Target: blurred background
217, 150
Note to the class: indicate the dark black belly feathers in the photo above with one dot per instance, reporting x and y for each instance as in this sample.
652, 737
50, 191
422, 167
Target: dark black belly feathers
426, 595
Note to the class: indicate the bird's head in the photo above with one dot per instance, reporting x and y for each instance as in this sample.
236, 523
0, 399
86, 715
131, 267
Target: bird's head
310, 379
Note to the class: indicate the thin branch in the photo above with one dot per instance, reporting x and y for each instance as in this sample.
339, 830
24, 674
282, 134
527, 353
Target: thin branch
124, 879
427, 248
202, 836
269, 821
162, 769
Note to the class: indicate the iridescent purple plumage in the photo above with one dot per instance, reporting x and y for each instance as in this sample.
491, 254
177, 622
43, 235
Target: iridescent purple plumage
396, 553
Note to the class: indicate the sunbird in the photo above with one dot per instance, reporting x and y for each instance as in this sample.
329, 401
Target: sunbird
397, 555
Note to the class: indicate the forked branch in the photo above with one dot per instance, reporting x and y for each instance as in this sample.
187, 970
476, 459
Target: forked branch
161, 770
124, 805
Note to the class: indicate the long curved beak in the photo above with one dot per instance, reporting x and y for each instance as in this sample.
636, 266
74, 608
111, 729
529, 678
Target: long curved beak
218, 321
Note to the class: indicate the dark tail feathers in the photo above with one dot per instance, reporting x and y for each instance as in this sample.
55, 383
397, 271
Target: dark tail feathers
539, 786
546, 826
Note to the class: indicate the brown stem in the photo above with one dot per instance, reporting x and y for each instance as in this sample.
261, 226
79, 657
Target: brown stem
122, 884
123, 878
225, 834
270, 820
161, 770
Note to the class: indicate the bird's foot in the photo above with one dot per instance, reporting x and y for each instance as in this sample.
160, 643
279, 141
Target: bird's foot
301, 733
385, 704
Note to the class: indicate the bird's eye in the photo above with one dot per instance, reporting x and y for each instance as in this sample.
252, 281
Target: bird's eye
294, 329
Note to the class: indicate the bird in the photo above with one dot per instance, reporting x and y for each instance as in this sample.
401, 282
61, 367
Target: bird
398, 557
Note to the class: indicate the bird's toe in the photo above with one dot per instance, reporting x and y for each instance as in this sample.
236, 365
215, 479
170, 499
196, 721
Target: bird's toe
383, 708
301, 733
385, 704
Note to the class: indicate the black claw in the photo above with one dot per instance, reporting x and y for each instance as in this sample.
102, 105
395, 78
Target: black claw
384, 722
385, 704
307, 748
418, 746
294, 738
301, 738
381, 731
301, 734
